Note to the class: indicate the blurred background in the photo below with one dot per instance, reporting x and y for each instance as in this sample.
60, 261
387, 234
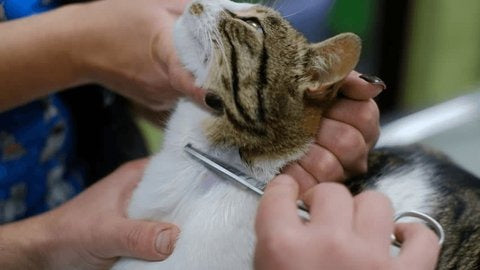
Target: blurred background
426, 51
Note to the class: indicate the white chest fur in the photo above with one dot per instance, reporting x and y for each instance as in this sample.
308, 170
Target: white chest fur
215, 217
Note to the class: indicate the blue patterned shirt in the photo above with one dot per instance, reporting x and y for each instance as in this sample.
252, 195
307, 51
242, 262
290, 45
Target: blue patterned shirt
37, 172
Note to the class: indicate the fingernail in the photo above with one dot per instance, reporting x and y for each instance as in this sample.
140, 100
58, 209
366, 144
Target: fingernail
373, 80
166, 240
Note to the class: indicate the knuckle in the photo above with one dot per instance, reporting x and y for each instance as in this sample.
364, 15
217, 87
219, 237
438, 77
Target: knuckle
369, 112
329, 168
133, 239
353, 143
368, 119
350, 139
138, 241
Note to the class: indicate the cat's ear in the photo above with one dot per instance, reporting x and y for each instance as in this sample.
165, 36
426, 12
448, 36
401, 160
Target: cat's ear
331, 61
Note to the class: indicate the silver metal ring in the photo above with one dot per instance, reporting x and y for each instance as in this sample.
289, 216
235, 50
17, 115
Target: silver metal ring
431, 222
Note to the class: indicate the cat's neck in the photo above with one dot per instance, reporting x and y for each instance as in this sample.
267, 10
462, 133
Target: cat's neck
186, 126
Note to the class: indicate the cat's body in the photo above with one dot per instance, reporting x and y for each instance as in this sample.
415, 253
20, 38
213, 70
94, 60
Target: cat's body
267, 89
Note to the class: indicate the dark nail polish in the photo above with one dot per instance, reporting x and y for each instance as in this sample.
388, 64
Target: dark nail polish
373, 80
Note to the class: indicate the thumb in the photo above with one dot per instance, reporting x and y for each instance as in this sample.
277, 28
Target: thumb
142, 239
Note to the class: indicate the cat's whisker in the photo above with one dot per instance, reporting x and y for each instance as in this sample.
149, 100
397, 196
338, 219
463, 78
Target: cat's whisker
297, 12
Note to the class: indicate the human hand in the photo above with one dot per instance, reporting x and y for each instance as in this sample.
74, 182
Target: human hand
127, 46
344, 232
89, 232
349, 129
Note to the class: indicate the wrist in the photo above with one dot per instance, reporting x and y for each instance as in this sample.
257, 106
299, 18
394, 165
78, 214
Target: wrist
24, 245
73, 33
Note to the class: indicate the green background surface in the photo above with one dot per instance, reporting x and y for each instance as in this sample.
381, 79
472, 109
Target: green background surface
444, 51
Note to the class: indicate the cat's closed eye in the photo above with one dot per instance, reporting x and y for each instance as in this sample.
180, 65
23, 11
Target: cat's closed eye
252, 21
255, 24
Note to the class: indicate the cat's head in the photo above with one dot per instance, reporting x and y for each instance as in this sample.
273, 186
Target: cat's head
266, 85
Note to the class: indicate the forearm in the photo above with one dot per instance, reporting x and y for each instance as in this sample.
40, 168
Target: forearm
37, 56
22, 245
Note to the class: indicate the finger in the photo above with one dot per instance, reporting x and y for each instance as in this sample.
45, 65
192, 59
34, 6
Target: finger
362, 115
139, 239
356, 88
373, 217
322, 165
278, 209
330, 205
420, 248
346, 143
304, 179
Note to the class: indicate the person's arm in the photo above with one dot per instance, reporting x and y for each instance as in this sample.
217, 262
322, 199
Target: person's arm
89, 232
36, 57
124, 45
344, 232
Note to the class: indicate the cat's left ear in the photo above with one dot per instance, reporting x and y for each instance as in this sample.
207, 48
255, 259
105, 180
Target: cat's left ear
331, 61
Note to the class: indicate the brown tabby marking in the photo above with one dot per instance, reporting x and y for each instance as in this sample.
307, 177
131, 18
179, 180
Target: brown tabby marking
196, 9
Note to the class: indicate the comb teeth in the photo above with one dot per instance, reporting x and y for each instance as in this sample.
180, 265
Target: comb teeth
225, 171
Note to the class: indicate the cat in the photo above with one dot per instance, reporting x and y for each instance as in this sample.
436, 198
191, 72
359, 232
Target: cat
266, 90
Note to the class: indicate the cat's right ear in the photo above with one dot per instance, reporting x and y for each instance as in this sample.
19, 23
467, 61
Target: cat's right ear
330, 63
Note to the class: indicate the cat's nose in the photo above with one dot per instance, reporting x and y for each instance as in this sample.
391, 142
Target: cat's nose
196, 9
